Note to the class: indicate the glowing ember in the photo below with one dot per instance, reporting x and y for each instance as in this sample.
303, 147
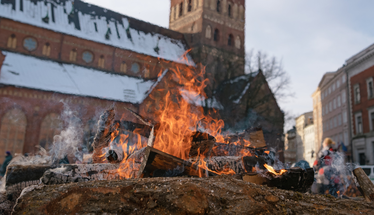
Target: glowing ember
271, 169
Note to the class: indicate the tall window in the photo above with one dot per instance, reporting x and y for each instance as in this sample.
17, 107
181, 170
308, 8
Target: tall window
208, 32
12, 42
101, 63
237, 42
189, 9
358, 123
181, 9
372, 120
46, 49
172, 14
12, 132
357, 93
216, 35
229, 11
218, 8
123, 67
370, 88
230, 40
73, 55
51, 126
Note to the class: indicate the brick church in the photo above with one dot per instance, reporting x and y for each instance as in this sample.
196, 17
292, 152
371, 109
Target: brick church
57, 52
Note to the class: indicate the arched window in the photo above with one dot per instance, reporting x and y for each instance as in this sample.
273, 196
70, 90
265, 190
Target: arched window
208, 32
101, 63
46, 49
218, 7
12, 132
12, 42
189, 8
146, 72
181, 9
123, 67
241, 12
237, 42
135, 68
216, 35
51, 126
73, 55
230, 40
229, 11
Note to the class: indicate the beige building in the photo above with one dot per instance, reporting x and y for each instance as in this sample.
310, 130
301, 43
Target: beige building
301, 123
290, 146
317, 119
309, 144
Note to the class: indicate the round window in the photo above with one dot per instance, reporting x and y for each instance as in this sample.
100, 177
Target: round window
135, 67
30, 44
87, 57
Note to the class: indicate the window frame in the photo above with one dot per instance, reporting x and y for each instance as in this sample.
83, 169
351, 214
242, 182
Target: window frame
356, 87
358, 129
370, 80
371, 118
216, 35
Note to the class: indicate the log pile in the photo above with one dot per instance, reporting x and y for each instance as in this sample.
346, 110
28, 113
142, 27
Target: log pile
216, 195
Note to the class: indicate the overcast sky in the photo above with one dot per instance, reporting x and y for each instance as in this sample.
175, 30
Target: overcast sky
310, 37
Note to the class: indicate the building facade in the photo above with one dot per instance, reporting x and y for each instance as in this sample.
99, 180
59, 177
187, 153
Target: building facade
290, 149
91, 58
331, 107
360, 71
301, 123
309, 144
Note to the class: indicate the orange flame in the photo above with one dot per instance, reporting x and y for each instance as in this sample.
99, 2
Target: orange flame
271, 169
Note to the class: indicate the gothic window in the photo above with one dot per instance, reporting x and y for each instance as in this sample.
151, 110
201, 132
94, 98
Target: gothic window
237, 42
189, 9
73, 55
30, 44
51, 126
229, 10
181, 9
241, 12
216, 35
46, 49
101, 62
87, 56
218, 8
12, 42
208, 32
12, 132
146, 72
135, 68
230, 40
123, 67
172, 14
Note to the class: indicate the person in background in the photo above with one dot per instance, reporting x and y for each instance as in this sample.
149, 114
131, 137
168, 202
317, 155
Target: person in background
8, 158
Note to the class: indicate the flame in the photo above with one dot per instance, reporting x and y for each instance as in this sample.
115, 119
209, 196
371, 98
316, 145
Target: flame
271, 169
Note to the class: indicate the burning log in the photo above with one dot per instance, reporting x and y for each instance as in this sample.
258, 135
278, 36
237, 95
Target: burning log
367, 187
103, 135
159, 164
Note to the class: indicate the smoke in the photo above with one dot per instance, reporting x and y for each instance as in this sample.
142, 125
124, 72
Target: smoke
69, 141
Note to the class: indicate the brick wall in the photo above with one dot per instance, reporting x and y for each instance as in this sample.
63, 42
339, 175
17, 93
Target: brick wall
365, 103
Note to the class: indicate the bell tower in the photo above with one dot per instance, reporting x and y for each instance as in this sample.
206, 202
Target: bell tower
214, 29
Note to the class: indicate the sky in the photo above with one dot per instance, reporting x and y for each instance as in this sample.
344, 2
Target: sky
310, 37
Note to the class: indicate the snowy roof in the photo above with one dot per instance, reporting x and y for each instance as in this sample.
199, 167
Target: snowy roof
71, 79
91, 22
198, 100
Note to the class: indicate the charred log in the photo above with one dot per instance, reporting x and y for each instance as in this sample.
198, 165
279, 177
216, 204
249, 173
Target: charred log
159, 164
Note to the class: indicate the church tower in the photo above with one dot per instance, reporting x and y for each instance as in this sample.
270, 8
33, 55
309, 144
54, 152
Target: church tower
214, 30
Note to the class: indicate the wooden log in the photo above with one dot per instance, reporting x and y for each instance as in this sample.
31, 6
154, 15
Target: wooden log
103, 135
159, 164
367, 187
202, 144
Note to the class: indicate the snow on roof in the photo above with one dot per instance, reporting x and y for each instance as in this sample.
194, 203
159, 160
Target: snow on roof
71, 79
91, 22
198, 100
